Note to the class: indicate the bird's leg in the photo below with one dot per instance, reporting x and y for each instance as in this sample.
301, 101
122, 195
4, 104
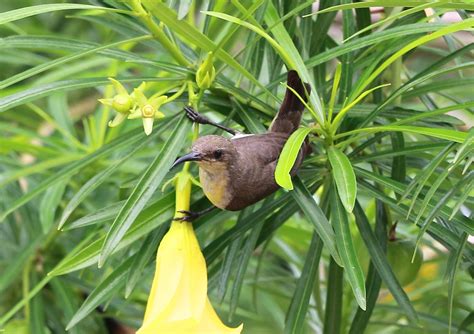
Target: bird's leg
193, 215
196, 117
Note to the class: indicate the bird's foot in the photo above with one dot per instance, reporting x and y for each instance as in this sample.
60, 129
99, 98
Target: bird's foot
190, 216
196, 117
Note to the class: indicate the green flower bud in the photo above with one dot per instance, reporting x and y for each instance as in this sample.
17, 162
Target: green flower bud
206, 73
122, 103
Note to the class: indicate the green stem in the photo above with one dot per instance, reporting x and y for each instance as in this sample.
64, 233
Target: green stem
158, 33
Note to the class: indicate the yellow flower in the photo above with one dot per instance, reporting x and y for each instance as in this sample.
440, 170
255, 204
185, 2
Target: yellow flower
147, 109
178, 302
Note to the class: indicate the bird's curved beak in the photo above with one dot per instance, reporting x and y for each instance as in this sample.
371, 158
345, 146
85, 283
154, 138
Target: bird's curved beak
193, 156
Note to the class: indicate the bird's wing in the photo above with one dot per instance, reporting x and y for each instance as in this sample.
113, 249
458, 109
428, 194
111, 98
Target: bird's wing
261, 149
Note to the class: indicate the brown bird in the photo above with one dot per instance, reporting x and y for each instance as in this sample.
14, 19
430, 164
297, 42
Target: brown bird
239, 171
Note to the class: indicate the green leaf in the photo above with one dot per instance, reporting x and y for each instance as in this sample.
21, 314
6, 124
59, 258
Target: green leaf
316, 216
102, 292
31, 94
191, 35
288, 157
346, 249
373, 282
63, 60
142, 258
285, 40
381, 264
242, 265
463, 25
96, 181
125, 140
12, 271
452, 269
400, 3
344, 177
49, 203
148, 183
333, 311
18, 14
66, 299
447, 134
295, 318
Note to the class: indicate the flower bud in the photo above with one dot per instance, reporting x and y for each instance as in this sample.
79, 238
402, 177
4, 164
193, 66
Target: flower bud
206, 73
122, 103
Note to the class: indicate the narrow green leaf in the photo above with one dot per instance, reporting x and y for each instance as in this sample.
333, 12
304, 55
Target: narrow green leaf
66, 300
422, 177
37, 323
462, 222
247, 251
346, 249
191, 35
12, 271
373, 282
31, 94
295, 318
87, 253
432, 190
381, 264
125, 140
463, 25
18, 14
344, 177
447, 134
102, 292
316, 216
148, 183
49, 203
452, 266
96, 181
288, 157
400, 3
284, 39
63, 60
333, 310
142, 258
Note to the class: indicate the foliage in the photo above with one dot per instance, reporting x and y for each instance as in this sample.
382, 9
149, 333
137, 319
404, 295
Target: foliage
389, 121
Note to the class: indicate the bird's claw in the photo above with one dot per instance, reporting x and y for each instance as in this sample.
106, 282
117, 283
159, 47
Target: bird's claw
189, 216
194, 116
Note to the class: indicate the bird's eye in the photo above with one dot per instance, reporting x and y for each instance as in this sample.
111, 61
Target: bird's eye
217, 154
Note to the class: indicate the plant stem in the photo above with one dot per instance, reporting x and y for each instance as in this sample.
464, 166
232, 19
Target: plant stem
158, 33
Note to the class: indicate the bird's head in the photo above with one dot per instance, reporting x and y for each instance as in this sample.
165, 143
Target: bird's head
211, 152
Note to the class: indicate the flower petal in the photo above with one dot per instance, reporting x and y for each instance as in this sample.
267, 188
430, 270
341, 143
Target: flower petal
158, 101
136, 114
119, 88
119, 118
147, 125
140, 97
106, 102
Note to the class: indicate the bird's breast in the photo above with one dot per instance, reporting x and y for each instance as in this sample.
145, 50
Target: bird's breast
216, 186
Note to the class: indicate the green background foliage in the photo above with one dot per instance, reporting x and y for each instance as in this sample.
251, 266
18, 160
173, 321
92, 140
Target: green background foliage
389, 121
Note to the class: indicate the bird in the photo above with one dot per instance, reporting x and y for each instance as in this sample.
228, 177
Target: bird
240, 171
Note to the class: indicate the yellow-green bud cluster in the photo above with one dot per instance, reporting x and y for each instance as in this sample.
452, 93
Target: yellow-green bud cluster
134, 105
206, 73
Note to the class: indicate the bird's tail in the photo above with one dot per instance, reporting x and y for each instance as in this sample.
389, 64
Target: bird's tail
289, 117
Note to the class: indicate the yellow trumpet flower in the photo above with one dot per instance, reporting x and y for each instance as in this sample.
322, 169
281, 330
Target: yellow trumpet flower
178, 302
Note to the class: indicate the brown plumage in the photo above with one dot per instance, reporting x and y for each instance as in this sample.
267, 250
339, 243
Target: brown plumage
238, 172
